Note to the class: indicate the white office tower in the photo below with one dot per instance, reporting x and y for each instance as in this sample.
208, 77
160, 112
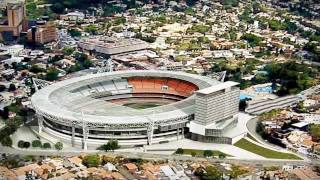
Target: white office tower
216, 111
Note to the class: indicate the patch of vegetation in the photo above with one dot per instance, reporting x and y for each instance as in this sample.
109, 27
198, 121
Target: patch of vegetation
200, 28
197, 152
252, 39
110, 146
292, 76
91, 160
314, 130
267, 153
145, 105
58, 146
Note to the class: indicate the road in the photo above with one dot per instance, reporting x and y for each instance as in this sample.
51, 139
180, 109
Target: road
267, 162
251, 126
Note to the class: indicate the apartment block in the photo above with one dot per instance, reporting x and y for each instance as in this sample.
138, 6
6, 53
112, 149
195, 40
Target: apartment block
216, 110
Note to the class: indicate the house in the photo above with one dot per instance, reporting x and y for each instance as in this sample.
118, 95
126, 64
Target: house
302, 126
110, 167
117, 176
131, 167
305, 174
100, 172
6, 173
21, 172
76, 161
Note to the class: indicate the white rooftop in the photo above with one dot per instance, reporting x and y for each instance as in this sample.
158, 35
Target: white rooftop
300, 124
217, 87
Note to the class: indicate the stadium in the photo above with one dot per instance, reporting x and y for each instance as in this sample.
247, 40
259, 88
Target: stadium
137, 108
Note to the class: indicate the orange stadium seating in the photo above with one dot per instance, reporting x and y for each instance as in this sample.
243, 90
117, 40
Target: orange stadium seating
175, 86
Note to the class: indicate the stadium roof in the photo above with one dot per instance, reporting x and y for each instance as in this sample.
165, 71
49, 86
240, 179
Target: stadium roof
57, 100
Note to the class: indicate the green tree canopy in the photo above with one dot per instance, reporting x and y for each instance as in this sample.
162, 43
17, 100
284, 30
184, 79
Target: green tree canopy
36, 143
52, 74
58, 146
74, 33
179, 151
213, 173
252, 39
207, 153
91, 160
46, 146
314, 130
6, 141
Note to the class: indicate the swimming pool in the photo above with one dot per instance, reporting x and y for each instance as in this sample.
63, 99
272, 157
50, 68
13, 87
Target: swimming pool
266, 89
244, 96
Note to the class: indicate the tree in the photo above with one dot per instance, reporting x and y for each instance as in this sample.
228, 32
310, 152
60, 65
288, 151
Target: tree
213, 173
191, 2
110, 146
193, 154
92, 29
5, 113
6, 141
237, 171
36, 69
2, 87
36, 143
222, 156
21, 144
113, 143
91, 160
74, 33
12, 87
81, 57
57, 8
207, 153
179, 151
261, 130
200, 28
110, 9
252, 39
58, 146
52, 74
199, 172
26, 144
67, 51
46, 146
120, 20
242, 104
227, 4
314, 130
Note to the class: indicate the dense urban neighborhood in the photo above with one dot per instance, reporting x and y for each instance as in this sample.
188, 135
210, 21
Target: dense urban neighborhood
155, 89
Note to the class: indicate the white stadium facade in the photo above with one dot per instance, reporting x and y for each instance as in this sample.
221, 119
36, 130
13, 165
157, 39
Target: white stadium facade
138, 108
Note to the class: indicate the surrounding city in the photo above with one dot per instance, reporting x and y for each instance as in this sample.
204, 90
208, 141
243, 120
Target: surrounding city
156, 89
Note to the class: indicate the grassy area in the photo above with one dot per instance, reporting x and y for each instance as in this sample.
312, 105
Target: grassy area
200, 152
142, 105
267, 153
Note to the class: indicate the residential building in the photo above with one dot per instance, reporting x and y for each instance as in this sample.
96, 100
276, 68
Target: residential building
12, 24
42, 33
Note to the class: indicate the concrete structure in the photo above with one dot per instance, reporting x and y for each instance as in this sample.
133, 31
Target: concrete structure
3, 3
42, 33
261, 106
216, 110
12, 24
112, 45
87, 111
